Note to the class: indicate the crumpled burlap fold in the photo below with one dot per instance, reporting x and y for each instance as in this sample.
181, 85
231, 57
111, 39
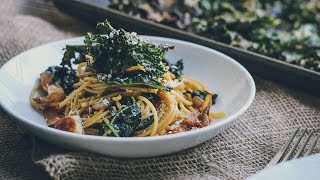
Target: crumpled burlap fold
238, 152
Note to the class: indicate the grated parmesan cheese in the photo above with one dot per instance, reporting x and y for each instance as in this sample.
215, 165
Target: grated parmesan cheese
176, 124
173, 83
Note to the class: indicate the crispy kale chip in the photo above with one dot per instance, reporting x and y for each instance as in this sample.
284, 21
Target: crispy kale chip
120, 58
66, 76
286, 30
176, 68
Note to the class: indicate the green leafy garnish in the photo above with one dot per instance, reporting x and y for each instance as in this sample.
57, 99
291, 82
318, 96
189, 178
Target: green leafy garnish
176, 68
202, 95
65, 75
127, 120
113, 57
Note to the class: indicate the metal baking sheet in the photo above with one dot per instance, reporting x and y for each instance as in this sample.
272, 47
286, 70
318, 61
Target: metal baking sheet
259, 65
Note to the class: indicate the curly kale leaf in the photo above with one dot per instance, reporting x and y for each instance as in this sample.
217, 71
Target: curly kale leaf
129, 114
70, 54
176, 68
131, 50
113, 54
65, 75
128, 119
214, 98
144, 124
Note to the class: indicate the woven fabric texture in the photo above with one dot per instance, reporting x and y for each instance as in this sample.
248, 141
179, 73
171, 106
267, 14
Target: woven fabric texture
238, 152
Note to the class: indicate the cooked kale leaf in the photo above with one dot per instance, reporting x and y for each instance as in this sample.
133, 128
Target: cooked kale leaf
66, 75
144, 124
167, 88
128, 119
202, 95
176, 68
70, 53
128, 114
214, 98
118, 54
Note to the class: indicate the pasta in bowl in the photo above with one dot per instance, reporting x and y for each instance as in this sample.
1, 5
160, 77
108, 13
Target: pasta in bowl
122, 86
211, 72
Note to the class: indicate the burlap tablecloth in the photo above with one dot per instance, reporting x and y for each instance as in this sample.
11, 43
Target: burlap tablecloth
238, 152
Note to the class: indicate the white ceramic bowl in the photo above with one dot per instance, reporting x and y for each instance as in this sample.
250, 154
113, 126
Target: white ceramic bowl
219, 72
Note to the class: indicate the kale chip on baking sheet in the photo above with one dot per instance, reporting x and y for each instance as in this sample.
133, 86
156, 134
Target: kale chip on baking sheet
285, 30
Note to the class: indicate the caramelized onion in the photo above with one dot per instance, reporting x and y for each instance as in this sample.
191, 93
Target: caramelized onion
51, 115
196, 100
68, 123
45, 78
